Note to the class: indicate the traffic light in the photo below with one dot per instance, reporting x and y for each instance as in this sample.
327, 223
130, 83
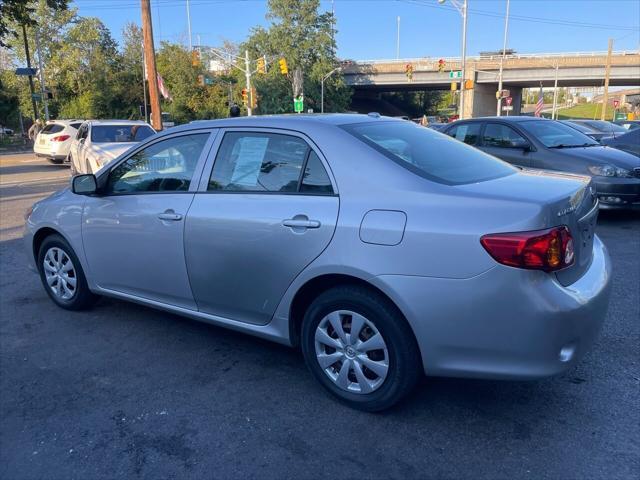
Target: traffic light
408, 70
262, 65
454, 86
195, 58
441, 65
468, 84
201, 80
245, 97
254, 98
284, 69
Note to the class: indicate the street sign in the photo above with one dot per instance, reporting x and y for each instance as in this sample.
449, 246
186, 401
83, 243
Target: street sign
456, 74
298, 104
616, 103
30, 72
36, 96
507, 108
508, 100
620, 116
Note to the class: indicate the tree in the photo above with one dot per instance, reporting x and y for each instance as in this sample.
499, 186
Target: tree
15, 13
305, 38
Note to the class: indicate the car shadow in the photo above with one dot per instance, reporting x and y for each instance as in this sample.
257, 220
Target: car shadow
33, 168
614, 217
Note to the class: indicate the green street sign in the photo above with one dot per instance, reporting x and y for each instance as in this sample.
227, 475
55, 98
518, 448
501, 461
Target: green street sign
620, 116
36, 96
457, 74
298, 104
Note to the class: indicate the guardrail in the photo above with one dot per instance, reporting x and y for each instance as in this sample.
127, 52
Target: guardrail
498, 56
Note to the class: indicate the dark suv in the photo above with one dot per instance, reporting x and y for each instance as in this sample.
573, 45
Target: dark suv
538, 143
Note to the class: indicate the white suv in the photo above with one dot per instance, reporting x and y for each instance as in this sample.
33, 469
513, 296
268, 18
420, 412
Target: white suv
54, 140
100, 141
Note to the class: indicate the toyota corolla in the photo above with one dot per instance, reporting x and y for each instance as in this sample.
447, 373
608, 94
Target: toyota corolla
383, 249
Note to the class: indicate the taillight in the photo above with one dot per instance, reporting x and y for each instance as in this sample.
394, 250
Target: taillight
60, 138
548, 250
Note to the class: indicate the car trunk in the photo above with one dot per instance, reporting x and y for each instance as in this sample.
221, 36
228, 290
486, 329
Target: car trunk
565, 199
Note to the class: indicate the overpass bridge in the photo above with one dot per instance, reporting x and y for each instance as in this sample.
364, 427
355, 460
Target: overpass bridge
578, 69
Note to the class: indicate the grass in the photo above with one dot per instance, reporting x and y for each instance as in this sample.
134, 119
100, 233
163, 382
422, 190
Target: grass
585, 110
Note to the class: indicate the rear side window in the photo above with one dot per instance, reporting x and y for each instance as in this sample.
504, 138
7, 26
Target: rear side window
315, 179
259, 162
467, 133
430, 154
52, 128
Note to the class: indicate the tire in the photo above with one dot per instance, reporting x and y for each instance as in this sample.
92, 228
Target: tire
58, 279
374, 388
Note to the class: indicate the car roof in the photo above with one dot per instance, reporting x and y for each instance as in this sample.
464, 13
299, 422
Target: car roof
287, 121
510, 119
116, 122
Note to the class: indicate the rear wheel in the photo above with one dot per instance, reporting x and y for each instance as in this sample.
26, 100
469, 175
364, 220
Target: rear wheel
62, 275
360, 348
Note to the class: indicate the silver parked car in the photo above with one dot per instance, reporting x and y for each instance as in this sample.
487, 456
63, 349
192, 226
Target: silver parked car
383, 249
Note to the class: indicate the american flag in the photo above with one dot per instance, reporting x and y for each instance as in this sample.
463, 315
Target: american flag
540, 104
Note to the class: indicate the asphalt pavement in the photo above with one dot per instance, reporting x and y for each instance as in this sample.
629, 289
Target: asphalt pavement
123, 391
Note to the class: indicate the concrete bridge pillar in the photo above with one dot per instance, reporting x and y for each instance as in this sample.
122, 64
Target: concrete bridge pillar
481, 100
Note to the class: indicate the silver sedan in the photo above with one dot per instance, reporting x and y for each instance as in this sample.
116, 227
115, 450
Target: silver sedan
383, 249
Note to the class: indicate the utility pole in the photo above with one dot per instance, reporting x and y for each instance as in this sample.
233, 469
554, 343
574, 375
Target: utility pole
144, 88
398, 38
504, 53
189, 25
26, 51
43, 90
554, 110
607, 71
150, 62
464, 58
247, 74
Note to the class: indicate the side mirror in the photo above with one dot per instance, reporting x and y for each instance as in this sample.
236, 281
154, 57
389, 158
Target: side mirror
520, 143
84, 184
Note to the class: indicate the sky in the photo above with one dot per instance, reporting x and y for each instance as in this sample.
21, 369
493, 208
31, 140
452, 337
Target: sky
367, 29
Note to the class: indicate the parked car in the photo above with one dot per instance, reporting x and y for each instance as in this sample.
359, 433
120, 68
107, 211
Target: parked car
384, 249
602, 126
6, 131
628, 124
54, 140
597, 135
100, 141
537, 143
629, 142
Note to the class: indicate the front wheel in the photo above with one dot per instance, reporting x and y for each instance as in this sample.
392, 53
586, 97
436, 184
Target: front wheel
360, 348
62, 275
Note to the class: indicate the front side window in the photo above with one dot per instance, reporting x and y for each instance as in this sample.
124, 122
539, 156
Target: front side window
166, 166
430, 154
467, 133
498, 135
259, 162
120, 133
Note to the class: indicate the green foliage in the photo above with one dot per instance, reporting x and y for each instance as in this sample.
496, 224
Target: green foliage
305, 38
14, 13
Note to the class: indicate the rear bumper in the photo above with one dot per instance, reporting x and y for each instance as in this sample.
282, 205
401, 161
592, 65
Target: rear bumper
52, 158
617, 192
504, 323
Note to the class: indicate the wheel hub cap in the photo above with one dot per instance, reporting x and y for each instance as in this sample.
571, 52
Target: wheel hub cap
351, 351
60, 273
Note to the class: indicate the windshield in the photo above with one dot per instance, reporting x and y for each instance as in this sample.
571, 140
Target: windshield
555, 134
581, 127
428, 153
120, 133
603, 126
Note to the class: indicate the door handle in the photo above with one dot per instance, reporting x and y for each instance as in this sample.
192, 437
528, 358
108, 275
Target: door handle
170, 215
301, 223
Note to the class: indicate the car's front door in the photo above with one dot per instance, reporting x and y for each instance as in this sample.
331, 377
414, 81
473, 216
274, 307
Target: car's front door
133, 233
504, 142
265, 210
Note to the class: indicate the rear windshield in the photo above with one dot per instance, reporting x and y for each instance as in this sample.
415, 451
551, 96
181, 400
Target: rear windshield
53, 128
120, 133
430, 154
604, 126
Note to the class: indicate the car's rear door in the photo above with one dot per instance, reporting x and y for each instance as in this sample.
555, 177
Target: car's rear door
266, 208
133, 234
